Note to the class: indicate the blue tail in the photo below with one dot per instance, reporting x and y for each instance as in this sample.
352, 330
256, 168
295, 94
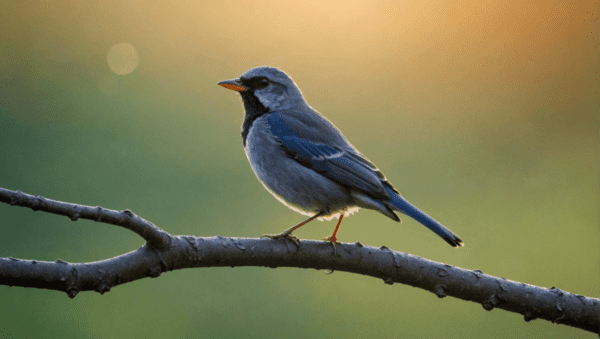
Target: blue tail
412, 211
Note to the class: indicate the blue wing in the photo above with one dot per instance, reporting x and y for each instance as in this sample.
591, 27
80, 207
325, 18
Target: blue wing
349, 168
344, 166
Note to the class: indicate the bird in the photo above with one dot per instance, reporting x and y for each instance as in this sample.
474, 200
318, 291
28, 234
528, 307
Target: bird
305, 161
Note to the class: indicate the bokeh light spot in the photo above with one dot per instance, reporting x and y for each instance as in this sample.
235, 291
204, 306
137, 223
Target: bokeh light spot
122, 58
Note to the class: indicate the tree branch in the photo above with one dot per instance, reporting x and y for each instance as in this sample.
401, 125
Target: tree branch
154, 236
167, 253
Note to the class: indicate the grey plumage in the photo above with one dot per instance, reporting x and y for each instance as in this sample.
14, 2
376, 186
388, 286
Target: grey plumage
305, 161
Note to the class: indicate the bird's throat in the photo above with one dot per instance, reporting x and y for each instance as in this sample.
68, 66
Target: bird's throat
254, 109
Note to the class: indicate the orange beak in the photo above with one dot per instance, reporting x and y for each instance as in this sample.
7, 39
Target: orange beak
233, 85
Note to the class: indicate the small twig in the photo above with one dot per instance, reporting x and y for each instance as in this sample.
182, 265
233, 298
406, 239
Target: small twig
154, 236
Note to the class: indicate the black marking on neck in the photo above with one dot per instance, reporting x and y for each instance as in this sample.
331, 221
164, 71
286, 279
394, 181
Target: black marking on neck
254, 109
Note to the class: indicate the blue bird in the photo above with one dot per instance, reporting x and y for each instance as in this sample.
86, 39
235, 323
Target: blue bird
305, 162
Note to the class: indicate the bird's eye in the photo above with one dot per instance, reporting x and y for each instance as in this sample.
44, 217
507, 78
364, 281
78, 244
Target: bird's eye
263, 83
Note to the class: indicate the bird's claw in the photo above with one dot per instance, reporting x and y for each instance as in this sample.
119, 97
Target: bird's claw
332, 241
285, 236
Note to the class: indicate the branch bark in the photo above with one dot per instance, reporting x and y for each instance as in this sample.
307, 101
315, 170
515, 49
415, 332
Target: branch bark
163, 252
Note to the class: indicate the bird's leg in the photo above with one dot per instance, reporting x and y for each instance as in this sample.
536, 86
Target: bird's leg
333, 238
288, 233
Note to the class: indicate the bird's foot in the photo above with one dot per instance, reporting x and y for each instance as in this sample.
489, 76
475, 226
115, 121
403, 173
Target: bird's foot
332, 240
285, 235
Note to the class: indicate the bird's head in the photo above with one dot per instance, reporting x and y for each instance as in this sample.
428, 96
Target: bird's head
266, 89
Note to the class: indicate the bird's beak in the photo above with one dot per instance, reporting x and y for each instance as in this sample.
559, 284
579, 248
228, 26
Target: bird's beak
233, 84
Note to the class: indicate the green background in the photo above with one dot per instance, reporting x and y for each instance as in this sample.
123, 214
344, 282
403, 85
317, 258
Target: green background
483, 115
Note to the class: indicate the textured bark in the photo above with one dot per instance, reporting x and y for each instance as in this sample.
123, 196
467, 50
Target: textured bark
163, 252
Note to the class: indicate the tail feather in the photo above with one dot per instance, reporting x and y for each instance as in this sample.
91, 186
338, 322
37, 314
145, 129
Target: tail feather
403, 206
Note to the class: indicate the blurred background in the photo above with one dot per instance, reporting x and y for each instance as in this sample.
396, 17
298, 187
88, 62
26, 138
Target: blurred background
483, 114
